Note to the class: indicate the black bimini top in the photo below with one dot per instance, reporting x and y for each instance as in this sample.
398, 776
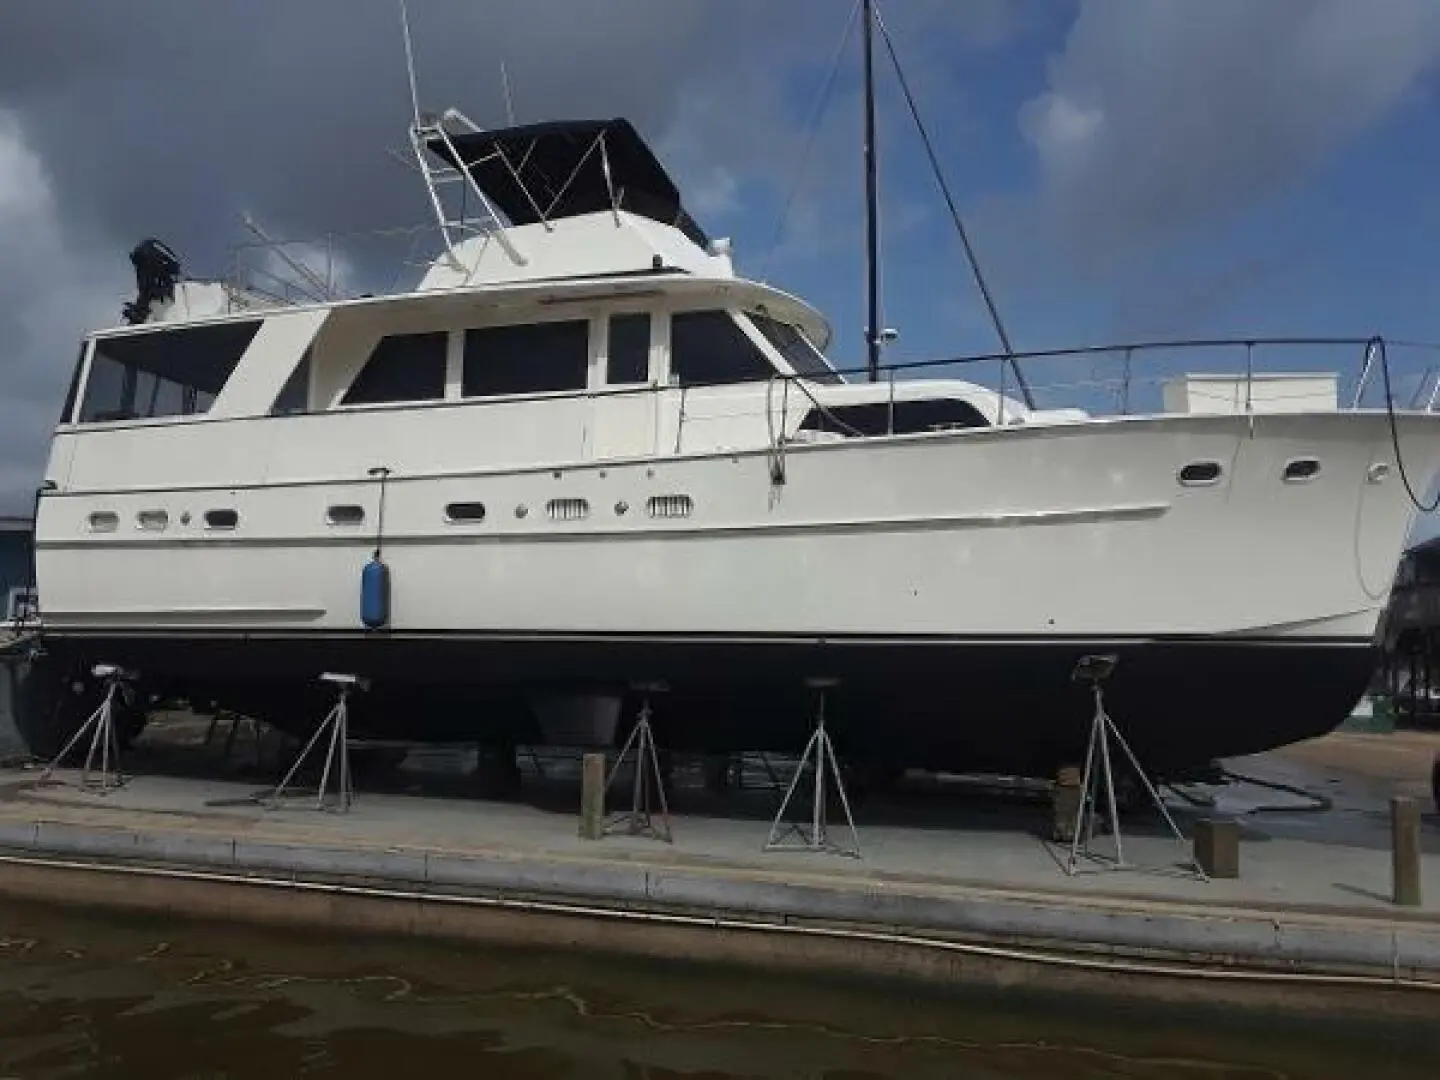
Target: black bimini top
557, 170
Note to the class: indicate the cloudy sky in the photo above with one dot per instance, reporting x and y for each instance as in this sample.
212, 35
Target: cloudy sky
1129, 168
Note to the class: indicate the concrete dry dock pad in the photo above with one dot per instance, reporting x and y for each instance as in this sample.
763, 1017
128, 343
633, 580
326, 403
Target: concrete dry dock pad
1301, 906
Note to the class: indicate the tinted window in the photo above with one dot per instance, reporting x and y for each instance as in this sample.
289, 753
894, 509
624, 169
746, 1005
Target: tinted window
405, 367
294, 396
791, 343
629, 359
173, 372
527, 359
707, 347
68, 412
875, 418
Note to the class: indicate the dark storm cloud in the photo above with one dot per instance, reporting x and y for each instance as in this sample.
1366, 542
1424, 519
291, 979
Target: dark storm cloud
176, 116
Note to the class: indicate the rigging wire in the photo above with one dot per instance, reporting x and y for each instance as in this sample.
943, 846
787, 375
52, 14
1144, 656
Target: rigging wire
970, 256
817, 114
1377, 343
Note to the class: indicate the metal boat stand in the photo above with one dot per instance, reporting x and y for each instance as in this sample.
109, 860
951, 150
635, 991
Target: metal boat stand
815, 836
1098, 780
337, 754
638, 820
104, 740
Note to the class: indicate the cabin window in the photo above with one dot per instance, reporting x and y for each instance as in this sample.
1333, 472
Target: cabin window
529, 358
67, 414
628, 359
895, 418
708, 348
104, 521
345, 514
294, 396
152, 520
465, 513
403, 367
1200, 473
170, 372
1301, 470
221, 519
791, 343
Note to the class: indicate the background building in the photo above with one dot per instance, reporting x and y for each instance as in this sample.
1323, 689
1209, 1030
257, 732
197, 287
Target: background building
1409, 671
16, 535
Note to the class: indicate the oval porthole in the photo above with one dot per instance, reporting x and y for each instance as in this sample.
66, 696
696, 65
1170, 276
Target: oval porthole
1301, 470
671, 506
221, 519
345, 514
104, 521
152, 520
1200, 473
465, 513
567, 509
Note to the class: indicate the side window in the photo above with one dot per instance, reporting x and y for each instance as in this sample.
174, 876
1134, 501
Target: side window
172, 372
526, 359
791, 343
707, 347
403, 367
629, 349
67, 414
294, 396
904, 417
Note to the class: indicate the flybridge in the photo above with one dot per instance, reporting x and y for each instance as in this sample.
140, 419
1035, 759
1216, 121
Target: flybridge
564, 199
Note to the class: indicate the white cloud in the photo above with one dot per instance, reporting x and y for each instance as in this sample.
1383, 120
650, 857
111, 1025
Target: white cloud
1057, 125
1160, 112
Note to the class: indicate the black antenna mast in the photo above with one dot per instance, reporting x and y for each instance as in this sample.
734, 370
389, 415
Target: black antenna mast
872, 210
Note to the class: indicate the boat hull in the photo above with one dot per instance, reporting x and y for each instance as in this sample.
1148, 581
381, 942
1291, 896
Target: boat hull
949, 581
1006, 705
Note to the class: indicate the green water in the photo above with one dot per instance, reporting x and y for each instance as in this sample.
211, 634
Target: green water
101, 996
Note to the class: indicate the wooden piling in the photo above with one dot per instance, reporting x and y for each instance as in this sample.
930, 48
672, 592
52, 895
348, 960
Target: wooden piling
592, 797
1065, 804
1217, 847
1405, 849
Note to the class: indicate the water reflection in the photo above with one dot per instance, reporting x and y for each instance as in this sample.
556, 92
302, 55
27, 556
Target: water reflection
101, 996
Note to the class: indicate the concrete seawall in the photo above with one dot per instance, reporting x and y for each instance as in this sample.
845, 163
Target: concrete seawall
1295, 958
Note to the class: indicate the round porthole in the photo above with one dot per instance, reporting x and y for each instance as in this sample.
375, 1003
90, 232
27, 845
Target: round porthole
1378, 472
1200, 473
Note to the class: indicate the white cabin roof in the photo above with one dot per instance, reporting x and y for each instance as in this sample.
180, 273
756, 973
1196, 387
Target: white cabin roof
608, 244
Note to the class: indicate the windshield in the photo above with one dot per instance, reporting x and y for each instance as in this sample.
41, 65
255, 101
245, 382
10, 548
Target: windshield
791, 343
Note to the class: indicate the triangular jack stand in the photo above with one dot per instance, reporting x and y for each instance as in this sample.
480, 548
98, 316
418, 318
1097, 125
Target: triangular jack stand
337, 752
1098, 781
819, 755
638, 820
104, 740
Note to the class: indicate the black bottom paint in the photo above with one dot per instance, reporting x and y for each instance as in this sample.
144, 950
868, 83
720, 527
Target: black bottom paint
1008, 706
